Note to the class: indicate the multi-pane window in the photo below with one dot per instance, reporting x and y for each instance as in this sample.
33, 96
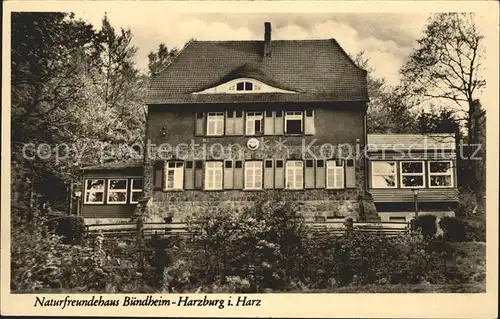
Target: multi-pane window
135, 190
294, 174
440, 174
412, 174
213, 175
383, 174
334, 174
117, 191
254, 123
293, 122
94, 191
215, 123
244, 86
174, 175
253, 175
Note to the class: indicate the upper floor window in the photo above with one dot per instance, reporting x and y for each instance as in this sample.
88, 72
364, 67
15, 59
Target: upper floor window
412, 174
383, 174
440, 174
293, 122
254, 123
215, 123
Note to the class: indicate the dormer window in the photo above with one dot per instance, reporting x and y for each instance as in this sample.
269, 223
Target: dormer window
244, 86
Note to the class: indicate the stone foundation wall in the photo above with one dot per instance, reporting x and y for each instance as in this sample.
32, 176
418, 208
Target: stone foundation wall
311, 203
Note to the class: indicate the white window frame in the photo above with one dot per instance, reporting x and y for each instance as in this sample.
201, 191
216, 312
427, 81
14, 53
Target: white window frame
121, 190
332, 165
211, 170
254, 88
255, 167
100, 190
373, 174
297, 169
177, 167
401, 174
252, 117
294, 115
217, 119
135, 190
451, 174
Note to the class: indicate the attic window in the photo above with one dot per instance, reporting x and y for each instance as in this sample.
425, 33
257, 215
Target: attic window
244, 86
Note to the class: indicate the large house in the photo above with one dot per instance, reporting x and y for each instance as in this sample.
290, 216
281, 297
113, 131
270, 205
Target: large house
228, 120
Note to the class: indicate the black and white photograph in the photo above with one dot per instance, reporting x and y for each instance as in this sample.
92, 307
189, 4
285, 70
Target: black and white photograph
205, 159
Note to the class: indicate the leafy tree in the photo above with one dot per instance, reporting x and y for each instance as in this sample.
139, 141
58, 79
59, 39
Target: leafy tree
388, 110
447, 66
438, 120
160, 59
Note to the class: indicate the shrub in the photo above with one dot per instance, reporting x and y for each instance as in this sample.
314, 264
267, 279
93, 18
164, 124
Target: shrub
427, 225
466, 204
70, 228
453, 229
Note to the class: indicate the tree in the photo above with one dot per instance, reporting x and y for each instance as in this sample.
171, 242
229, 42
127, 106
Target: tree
388, 111
438, 120
160, 59
447, 67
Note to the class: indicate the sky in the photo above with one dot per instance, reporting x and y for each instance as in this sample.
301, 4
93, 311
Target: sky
386, 38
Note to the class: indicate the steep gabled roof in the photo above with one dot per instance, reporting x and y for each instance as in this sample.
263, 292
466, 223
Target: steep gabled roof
319, 70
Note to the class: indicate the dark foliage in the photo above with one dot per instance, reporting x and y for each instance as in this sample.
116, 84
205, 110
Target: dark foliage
70, 228
427, 225
453, 229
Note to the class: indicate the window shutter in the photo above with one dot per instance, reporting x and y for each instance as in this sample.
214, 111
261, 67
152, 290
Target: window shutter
158, 175
238, 122
309, 174
350, 174
268, 174
278, 122
198, 175
309, 122
200, 124
279, 174
238, 175
268, 123
320, 174
228, 175
230, 122
189, 175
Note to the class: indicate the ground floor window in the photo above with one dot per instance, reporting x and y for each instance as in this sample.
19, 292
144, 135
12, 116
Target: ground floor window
94, 191
213, 175
294, 175
383, 174
440, 174
135, 190
334, 174
253, 175
174, 173
412, 174
117, 191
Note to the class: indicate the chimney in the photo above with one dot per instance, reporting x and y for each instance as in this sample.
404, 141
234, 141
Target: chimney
267, 39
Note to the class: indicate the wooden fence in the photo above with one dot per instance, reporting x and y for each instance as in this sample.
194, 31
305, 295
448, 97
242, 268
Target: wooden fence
180, 228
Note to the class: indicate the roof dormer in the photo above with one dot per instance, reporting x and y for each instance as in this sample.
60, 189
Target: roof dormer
243, 86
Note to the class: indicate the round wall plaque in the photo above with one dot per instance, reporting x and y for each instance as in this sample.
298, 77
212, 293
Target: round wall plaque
253, 143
